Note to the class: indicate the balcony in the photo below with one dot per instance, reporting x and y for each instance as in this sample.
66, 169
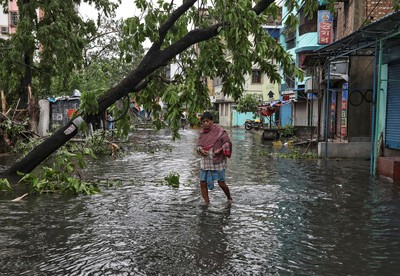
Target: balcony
310, 27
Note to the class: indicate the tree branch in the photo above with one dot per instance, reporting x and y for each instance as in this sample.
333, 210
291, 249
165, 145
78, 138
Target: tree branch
153, 60
164, 28
198, 35
261, 6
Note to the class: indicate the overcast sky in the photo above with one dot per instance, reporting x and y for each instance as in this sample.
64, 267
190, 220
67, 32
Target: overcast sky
125, 10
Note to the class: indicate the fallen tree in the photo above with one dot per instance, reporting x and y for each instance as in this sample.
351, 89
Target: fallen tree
236, 26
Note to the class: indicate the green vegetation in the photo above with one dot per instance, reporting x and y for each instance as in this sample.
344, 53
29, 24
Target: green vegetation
289, 152
297, 154
287, 131
4, 185
172, 179
248, 103
64, 175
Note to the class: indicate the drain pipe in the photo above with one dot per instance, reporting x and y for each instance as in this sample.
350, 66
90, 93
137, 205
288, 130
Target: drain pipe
327, 111
375, 102
371, 169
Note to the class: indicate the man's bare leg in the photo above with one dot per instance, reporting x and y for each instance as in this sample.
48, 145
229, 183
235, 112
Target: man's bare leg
225, 188
204, 191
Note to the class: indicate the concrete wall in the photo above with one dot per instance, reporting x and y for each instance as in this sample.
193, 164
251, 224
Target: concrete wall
313, 109
300, 114
225, 114
305, 132
240, 118
262, 88
345, 150
4, 22
44, 118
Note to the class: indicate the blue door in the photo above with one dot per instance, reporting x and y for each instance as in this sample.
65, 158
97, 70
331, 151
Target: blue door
286, 114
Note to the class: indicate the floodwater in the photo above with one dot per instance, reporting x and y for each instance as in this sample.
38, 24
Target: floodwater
289, 217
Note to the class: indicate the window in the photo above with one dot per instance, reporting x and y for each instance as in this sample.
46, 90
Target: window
290, 39
256, 76
307, 24
14, 18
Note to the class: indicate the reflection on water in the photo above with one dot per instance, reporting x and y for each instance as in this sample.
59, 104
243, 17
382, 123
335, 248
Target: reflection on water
289, 217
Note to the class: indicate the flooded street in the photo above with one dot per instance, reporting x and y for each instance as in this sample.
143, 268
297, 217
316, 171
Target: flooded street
289, 217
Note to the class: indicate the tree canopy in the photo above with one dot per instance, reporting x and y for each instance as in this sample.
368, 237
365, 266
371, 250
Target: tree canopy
47, 45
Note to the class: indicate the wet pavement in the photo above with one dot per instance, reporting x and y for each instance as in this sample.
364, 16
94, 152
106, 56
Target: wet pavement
289, 217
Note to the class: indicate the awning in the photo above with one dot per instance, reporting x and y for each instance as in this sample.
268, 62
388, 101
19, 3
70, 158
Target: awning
360, 43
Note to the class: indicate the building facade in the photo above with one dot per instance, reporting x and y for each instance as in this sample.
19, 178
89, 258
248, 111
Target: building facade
300, 108
345, 75
9, 21
258, 83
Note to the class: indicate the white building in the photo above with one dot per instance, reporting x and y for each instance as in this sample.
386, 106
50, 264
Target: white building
9, 21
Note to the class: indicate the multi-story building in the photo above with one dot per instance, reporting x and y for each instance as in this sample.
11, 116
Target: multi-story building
9, 21
300, 108
257, 83
343, 77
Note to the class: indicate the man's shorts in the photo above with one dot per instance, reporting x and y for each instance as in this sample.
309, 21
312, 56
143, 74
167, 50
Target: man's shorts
210, 176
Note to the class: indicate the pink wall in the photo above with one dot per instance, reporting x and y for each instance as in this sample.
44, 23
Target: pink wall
12, 6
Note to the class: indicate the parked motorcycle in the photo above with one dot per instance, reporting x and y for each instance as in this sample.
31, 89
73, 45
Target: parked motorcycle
256, 124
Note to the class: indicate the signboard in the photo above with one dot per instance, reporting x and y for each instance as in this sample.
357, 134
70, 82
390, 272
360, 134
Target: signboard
345, 100
333, 112
325, 27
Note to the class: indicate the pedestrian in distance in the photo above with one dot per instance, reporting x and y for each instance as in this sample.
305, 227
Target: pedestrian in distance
110, 123
214, 147
184, 120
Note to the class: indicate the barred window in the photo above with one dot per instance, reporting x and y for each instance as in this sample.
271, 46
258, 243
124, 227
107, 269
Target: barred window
256, 76
14, 18
307, 25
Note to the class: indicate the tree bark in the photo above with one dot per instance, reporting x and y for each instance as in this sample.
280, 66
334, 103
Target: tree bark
154, 59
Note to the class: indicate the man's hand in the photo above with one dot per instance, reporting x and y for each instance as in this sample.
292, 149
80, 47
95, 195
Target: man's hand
218, 151
202, 152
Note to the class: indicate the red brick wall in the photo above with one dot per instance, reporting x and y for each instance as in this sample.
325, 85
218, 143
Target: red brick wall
352, 14
377, 9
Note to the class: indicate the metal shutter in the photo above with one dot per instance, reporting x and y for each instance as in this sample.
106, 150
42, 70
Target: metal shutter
392, 137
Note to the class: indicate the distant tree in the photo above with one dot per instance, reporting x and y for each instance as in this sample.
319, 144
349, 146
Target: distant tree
103, 66
47, 47
248, 103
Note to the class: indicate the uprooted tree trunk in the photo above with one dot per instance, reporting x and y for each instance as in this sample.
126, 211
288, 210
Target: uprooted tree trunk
154, 59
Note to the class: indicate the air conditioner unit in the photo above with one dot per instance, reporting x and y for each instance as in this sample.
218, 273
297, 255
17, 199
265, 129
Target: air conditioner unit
4, 29
339, 70
311, 84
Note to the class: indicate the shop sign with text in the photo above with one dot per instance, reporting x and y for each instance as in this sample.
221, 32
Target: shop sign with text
325, 27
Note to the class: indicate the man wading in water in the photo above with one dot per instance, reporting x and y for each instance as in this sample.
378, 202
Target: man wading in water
214, 146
